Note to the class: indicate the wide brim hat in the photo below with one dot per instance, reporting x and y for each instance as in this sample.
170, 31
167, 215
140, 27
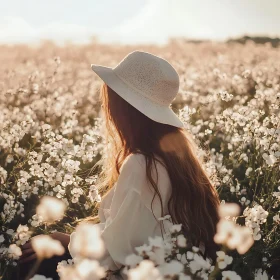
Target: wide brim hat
145, 97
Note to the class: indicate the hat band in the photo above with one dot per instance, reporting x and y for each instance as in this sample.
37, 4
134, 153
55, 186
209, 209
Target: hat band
157, 102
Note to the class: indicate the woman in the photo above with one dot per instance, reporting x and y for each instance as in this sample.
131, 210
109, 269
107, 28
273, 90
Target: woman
150, 164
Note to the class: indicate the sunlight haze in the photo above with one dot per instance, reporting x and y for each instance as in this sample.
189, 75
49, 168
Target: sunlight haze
146, 21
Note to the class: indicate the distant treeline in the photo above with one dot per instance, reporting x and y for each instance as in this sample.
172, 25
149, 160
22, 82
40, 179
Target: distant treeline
275, 42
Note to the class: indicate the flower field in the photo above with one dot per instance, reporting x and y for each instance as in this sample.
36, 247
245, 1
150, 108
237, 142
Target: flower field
51, 136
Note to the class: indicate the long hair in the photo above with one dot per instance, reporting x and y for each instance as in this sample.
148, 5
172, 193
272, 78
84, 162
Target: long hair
194, 200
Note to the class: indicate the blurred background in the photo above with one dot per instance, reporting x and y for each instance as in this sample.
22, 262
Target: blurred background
133, 22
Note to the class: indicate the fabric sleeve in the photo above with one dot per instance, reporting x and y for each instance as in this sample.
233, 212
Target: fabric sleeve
130, 228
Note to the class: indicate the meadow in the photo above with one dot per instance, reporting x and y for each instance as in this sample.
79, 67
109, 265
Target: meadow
51, 136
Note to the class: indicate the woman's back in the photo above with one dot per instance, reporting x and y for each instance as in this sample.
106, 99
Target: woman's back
126, 215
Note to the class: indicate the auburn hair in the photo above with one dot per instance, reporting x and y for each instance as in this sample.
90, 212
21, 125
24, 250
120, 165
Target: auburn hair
194, 200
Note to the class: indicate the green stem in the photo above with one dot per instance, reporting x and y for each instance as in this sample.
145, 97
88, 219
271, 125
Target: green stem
216, 270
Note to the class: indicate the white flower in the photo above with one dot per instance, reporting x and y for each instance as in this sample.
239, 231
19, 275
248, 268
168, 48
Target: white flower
234, 236
244, 201
229, 209
146, 270
2, 239
184, 277
253, 218
84, 270
46, 247
270, 159
195, 249
185, 113
200, 265
261, 275
22, 234
244, 157
190, 255
276, 218
230, 275
50, 209
3, 174
90, 269
76, 192
93, 194
181, 240
91, 179
86, 241
72, 166
175, 228
62, 265
60, 191
143, 249
171, 269
223, 259
46, 127
68, 180
50, 171
225, 96
194, 266
255, 214
132, 260
10, 231
243, 240
14, 251
224, 230
157, 255
40, 277
248, 171
166, 217
277, 194
36, 220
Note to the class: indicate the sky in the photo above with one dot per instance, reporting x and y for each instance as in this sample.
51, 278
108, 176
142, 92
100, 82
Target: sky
135, 21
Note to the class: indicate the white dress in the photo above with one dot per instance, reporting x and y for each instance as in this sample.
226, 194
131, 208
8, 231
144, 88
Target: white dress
126, 218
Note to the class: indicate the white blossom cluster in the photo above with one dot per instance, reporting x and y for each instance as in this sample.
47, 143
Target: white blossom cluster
162, 258
51, 133
254, 217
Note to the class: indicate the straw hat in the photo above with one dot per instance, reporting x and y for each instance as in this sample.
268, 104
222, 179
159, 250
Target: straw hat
147, 82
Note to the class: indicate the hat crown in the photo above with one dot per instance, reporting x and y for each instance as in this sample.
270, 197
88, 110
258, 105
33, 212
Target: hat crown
149, 75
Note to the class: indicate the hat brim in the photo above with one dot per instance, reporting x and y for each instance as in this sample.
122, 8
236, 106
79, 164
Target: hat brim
154, 111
